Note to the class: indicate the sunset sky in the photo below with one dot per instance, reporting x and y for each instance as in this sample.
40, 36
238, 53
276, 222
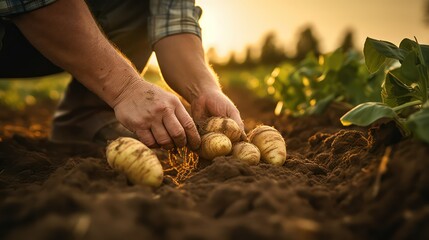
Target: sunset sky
233, 24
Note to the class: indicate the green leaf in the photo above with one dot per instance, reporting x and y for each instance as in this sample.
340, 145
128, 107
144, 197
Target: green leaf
334, 61
376, 52
414, 67
408, 45
420, 54
394, 92
423, 82
312, 72
425, 53
352, 57
409, 69
373, 58
388, 49
367, 113
321, 105
418, 123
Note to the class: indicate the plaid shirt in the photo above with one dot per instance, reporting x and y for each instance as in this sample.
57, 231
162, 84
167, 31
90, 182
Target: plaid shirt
168, 17
8, 7
172, 17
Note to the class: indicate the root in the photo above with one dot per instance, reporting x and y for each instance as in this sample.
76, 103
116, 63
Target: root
382, 168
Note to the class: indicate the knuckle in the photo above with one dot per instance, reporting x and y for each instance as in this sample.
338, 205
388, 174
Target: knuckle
173, 100
164, 141
137, 123
178, 133
188, 125
163, 109
148, 141
167, 110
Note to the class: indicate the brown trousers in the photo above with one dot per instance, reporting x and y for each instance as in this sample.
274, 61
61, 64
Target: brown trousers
81, 113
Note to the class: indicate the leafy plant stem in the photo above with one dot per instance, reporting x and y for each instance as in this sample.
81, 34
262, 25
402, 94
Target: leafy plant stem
408, 104
420, 54
423, 62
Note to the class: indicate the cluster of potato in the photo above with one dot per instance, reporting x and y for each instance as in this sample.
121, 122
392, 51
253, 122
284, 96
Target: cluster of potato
220, 136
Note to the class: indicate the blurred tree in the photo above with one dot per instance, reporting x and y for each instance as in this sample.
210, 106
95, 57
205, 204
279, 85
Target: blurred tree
306, 43
249, 59
271, 54
232, 62
348, 41
212, 56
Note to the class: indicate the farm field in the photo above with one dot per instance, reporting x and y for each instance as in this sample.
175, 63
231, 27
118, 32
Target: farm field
338, 182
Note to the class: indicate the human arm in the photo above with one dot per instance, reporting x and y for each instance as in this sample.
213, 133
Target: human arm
66, 33
176, 38
183, 65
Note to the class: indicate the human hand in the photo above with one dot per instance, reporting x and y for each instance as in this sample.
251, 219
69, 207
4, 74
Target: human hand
214, 103
156, 116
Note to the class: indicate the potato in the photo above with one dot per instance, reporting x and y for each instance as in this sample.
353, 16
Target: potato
225, 126
271, 144
136, 161
214, 145
246, 152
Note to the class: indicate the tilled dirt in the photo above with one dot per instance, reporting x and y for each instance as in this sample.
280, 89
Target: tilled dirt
331, 187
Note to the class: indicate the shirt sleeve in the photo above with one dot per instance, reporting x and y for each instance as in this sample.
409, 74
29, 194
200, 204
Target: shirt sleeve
9, 7
168, 17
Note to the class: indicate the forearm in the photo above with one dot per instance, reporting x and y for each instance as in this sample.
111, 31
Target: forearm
66, 33
182, 62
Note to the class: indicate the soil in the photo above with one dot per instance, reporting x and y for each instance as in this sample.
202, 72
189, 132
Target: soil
337, 183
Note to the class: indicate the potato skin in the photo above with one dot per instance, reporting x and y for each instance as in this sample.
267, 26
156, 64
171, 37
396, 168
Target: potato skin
271, 144
214, 144
246, 152
225, 126
136, 161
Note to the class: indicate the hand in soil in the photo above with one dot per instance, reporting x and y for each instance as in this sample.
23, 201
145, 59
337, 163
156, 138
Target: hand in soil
157, 117
215, 103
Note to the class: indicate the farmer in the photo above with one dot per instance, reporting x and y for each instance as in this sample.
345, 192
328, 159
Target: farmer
105, 45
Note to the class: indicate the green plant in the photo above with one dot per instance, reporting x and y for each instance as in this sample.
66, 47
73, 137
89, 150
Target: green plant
404, 90
18, 93
309, 87
245, 78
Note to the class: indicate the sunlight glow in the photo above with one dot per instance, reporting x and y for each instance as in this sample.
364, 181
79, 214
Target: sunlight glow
233, 24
